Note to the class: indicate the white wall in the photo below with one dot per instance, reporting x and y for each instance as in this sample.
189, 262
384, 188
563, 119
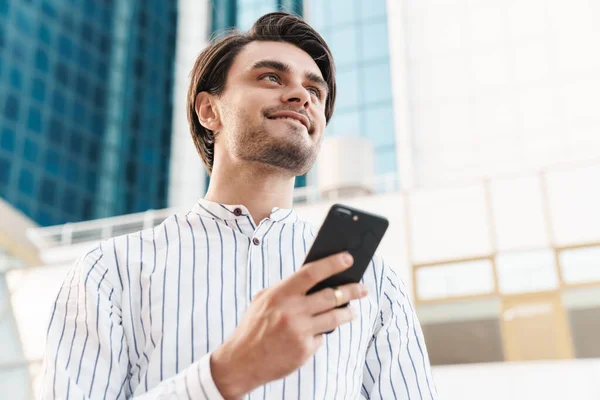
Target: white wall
186, 181
547, 380
497, 86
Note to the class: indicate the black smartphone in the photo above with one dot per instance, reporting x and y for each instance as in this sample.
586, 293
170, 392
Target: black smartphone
347, 229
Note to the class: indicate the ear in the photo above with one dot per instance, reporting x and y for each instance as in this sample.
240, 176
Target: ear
207, 112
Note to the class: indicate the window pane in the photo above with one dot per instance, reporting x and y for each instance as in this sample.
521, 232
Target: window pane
344, 46
343, 12
11, 108
30, 150
34, 120
16, 80
377, 83
527, 271
26, 182
347, 86
385, 161
38, 90
580, 265
374, 39
41, 60
456, 279
372, 9
7, 139
4, 171
347, 124
380, 126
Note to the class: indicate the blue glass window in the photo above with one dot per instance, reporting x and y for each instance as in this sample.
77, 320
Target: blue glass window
97, 125
4, 7
344, 46
82, 85
79, 112
380, 125
23, 23
385, 161
84, 58
91, 180
26, 182
44, 34
87, 212
72, 171
102, 70
375, 41
48, 191
87, 33
65, 47
38, 90
58, 102
30, 150
5, 168
48, 9
62, 73
76, 143
16, 80
70, 201
7, 139
373, 9
55, 132
347, 89
342, 12
41, 60
377, 84
11, 108
52, 162
348, 124
34, 120
45, 219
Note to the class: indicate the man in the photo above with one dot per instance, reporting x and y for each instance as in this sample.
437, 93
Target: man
212, 304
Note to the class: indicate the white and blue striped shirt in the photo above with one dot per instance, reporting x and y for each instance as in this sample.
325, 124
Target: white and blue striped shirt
139, 315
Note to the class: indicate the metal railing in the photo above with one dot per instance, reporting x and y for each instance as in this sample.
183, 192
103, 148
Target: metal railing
96, 230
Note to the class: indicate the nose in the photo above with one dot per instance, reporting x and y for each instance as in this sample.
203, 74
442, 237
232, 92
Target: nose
297, 94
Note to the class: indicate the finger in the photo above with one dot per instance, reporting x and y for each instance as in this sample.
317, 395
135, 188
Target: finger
330, 320
312, 273
325, 299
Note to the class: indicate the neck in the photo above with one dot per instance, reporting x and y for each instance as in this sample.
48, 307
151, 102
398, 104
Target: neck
258, 188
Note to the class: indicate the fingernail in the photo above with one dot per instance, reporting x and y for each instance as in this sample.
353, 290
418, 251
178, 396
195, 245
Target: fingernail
347, 259
363, 290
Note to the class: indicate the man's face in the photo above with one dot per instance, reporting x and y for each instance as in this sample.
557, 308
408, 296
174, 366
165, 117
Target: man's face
273, 107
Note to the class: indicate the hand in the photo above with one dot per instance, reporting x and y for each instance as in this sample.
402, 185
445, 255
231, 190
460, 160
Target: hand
282, 328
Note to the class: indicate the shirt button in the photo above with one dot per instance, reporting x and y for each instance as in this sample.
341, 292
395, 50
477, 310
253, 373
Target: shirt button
256, 241
237, 212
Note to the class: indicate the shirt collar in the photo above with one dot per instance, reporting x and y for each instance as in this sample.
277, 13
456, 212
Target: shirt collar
225, 212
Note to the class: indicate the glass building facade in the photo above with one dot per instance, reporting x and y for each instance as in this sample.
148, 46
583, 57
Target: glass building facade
85, 106
357, 33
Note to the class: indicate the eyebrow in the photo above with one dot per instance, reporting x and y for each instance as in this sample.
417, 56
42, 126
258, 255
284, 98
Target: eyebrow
286, 69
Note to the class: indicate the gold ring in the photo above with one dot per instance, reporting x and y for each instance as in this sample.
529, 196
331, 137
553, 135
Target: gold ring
339, 296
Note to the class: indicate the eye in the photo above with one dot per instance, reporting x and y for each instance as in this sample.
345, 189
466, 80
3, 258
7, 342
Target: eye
315, 91
271, 78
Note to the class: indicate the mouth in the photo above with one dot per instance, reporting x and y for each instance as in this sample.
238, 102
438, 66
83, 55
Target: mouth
291, 116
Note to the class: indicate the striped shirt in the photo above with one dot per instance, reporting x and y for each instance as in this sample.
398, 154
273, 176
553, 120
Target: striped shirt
139, 315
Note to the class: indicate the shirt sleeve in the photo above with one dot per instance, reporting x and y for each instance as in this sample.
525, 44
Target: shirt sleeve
86, 354
397, 364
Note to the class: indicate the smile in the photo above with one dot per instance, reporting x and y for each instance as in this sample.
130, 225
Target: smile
292, 116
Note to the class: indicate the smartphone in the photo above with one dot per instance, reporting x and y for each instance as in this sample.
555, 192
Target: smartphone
351, 230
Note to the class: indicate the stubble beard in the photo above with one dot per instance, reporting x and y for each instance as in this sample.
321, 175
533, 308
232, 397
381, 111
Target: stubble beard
289, 151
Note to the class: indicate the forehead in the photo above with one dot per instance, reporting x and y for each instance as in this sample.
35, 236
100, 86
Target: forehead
299, 60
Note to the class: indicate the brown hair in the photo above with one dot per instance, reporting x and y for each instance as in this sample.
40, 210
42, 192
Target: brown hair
212, 66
